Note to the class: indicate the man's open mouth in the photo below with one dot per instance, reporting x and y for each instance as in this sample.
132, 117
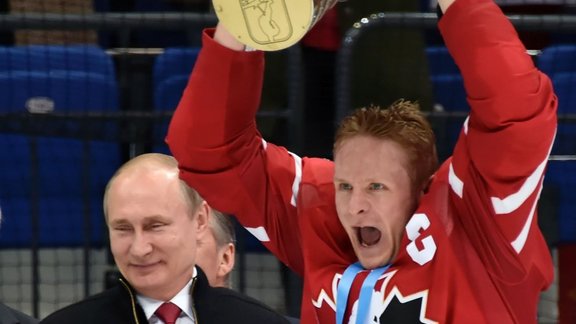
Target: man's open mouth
368, 235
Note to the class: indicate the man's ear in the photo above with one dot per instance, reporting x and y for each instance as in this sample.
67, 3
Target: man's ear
203, 217
227, 260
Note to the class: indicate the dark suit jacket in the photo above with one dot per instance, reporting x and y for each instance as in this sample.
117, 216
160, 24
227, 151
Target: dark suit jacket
119, 305
12, 316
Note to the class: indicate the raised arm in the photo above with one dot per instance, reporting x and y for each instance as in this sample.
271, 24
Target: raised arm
224, 38
500, 159
214, 137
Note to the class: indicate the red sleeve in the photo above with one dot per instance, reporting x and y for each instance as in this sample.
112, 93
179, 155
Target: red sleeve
220, 152
501, 155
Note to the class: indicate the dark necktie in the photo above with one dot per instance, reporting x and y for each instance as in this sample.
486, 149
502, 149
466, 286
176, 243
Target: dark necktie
168, 313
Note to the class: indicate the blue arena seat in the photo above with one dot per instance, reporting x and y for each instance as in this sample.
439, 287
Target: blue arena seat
444, 75
557, 58
60, 180
16, 221
174, 61
170, 76
84, 58
168, 92
564, 86
56, 91
561, 174
449, 92
449, 97
439, 61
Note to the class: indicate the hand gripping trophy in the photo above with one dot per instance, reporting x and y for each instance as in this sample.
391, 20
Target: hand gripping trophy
270, 25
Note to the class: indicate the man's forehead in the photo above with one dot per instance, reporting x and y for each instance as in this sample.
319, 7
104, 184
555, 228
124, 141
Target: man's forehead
139, 219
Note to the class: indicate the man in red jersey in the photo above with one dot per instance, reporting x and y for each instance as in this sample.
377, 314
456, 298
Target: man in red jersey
383, 235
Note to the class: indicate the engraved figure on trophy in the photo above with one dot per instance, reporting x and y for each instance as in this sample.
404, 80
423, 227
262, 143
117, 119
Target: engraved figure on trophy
270, 25
267, 20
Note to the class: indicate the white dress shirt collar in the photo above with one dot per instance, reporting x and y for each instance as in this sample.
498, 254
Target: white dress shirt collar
183, 299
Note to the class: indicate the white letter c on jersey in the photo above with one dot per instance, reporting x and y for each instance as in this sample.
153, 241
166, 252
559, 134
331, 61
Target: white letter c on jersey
425, 255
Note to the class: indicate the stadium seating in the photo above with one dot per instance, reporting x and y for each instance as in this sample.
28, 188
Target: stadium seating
37, 58
174, 61
449, 92
54, 182
561, 175
449, 96
447, 84
557, 58
170, 76
57, 90
439, 61
564, 86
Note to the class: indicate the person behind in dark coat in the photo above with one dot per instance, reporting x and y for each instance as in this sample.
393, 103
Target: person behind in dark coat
216, 253
155, 221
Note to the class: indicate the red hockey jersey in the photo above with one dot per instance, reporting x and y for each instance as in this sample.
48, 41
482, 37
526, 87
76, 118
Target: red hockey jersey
472, 252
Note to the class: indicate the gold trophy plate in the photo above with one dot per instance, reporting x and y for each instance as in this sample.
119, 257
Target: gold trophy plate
270, 25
